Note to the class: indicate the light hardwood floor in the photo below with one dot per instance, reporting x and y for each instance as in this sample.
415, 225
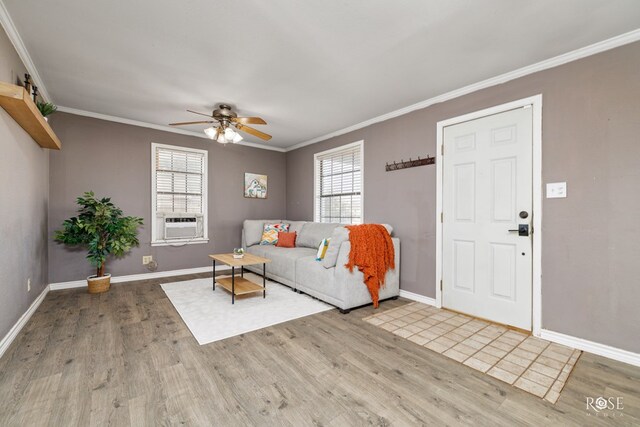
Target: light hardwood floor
126, 358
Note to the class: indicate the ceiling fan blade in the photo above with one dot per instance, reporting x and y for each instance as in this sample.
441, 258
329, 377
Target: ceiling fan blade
202, 114
252, 131
191, 123
249, 120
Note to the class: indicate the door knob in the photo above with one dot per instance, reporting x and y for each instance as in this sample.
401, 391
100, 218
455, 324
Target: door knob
523, 230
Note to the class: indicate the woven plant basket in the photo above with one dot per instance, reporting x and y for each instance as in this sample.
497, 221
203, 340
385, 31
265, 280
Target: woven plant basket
98, 285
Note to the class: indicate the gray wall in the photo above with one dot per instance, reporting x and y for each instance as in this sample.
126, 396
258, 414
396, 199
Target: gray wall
591, 139
114, 160
23, 207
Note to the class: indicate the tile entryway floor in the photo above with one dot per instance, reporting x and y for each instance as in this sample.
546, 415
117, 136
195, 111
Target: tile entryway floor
531, 364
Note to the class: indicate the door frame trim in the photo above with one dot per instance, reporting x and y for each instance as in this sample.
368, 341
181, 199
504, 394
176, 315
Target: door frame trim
536, 105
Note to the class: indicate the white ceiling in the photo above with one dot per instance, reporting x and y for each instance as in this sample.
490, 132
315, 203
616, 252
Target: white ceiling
308, 68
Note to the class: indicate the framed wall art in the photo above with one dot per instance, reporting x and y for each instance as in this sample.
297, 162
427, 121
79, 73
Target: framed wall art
255, 186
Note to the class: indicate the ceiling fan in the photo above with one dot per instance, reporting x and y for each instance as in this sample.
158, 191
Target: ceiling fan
226, 119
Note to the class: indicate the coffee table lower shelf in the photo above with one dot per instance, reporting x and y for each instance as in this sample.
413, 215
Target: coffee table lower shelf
242, 285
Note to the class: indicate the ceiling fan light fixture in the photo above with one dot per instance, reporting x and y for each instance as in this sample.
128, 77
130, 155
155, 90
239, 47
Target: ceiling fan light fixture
229, 135
210, 132
225, 122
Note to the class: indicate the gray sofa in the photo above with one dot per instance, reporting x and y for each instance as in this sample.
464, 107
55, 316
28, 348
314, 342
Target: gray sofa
327, 280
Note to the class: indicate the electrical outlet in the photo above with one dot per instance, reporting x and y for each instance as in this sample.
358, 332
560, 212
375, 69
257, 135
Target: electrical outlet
29, 284
147, 259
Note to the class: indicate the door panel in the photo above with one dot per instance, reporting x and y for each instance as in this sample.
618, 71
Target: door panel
502, 275
464, 265
487, 181
465, 190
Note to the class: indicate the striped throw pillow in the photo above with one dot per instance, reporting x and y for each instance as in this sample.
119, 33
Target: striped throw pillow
270, 233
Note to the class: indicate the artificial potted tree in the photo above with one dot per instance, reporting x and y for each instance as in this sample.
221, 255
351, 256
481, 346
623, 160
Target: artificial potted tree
104, 230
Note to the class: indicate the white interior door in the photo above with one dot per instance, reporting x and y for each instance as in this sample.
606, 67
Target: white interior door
487, 193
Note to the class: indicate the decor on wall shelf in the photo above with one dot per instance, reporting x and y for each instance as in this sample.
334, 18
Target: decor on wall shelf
27, 82
255, 186
410, 163
46, 109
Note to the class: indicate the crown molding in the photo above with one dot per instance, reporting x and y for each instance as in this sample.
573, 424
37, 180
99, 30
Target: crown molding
163, 128
623, 39
18, 44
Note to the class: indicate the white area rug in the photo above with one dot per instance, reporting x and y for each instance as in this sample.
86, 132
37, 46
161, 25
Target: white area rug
210, 316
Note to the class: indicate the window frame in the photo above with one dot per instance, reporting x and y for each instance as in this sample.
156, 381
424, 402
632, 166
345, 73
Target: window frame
155, 240
316, 165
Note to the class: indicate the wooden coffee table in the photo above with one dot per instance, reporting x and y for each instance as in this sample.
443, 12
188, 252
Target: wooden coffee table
239, 285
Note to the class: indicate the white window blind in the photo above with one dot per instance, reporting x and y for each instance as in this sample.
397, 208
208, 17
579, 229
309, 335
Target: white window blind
179, 180
338, 185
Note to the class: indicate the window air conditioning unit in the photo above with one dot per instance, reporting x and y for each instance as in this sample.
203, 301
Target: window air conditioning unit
182, 227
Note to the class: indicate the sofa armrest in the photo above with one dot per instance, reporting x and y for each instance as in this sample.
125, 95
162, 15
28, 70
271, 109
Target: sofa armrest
356, 278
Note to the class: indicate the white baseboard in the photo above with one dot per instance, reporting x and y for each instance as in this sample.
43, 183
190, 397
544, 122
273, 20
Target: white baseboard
13, 332
592, 347
142, 276
417, 297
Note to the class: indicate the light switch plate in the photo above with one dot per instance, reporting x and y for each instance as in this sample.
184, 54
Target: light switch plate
556, 190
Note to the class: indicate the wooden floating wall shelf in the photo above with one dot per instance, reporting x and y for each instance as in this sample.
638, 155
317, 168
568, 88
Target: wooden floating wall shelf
17, 102
404, 164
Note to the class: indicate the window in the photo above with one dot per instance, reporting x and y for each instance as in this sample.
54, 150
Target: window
338, 185
179, 195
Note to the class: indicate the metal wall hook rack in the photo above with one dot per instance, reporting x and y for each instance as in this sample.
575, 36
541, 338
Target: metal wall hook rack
404, 164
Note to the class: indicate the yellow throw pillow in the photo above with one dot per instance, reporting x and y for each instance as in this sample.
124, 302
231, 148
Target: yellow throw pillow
322, 249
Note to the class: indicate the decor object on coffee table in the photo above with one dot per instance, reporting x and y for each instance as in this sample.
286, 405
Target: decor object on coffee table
238, 253
255, 186
102, 228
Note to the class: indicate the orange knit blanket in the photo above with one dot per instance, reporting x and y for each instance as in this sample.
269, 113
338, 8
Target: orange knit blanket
373, 253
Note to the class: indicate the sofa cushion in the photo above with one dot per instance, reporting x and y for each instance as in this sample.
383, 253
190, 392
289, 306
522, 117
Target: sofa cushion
339, 235
283, 260
312, 234
270, 233
295, 225
256, 250
311, 275
253, 229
